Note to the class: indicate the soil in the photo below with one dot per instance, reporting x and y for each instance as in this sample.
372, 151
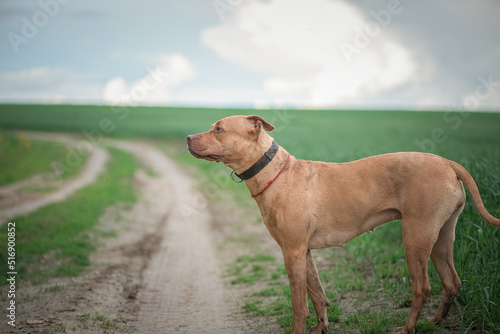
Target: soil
161, 272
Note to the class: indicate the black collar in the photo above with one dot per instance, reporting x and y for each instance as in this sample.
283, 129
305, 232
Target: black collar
259, 165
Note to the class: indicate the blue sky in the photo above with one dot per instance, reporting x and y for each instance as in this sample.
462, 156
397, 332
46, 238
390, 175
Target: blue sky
253, 53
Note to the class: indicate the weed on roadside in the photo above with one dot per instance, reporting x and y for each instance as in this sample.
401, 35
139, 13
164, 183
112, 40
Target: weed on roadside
248, 269
106, 325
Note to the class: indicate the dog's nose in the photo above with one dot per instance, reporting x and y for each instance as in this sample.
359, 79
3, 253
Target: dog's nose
190, 138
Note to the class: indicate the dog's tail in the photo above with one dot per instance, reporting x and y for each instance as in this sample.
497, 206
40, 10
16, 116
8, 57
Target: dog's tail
469, 182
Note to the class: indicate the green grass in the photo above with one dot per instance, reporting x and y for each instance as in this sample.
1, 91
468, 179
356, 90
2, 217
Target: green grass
95, 122
380, 322
249, 269
21, 157
60, 233
86, 321
371, 266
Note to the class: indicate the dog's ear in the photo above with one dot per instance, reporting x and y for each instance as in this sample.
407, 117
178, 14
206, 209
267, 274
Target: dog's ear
259, 122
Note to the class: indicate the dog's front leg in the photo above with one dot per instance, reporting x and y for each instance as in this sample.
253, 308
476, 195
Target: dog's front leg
317, 295
296, 267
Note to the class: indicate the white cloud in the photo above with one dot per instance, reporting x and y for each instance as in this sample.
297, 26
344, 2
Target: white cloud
47, 85
217, 97
153, 89
297, 43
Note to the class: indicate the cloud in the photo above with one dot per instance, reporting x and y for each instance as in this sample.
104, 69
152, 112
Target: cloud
217, 97
153, 89
301, 46
47, 85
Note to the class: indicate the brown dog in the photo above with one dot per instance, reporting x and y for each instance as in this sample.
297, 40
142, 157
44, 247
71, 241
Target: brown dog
311, 204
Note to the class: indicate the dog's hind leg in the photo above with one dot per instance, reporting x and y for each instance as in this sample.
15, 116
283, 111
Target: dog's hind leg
442, 257
418, 243
317, 295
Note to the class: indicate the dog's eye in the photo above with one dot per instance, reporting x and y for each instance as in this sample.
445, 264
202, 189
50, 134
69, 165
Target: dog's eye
218, 129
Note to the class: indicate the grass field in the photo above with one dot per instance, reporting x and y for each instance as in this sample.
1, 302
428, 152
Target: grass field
372, 264
22, 157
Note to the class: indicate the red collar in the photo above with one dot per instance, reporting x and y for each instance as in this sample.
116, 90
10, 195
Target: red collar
272, 181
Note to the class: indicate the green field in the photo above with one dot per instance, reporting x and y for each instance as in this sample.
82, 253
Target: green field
22, 157
472, 139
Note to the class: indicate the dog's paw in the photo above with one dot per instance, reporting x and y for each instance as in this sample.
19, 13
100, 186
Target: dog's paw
319, 329
435, 320
403, 330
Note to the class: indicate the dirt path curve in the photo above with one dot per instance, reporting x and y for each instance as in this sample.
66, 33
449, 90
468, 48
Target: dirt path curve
182, 290
95, 163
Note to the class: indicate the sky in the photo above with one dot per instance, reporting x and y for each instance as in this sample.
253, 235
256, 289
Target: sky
370, 54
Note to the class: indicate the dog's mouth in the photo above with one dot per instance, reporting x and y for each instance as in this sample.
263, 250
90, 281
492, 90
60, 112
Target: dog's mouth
214, 157
210, 157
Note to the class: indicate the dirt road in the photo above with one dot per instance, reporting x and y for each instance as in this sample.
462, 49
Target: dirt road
161, 274
182, 288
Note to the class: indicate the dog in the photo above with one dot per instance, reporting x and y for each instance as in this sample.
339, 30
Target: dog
311, 204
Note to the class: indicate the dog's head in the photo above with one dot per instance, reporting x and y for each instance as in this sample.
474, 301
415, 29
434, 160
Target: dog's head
233, 141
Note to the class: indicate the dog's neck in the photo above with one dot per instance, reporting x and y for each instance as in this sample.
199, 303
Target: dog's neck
261, 163
258, 183
260, 180
250, 154
264, 179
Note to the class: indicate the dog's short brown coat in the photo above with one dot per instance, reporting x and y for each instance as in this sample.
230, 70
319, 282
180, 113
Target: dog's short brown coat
315, 204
